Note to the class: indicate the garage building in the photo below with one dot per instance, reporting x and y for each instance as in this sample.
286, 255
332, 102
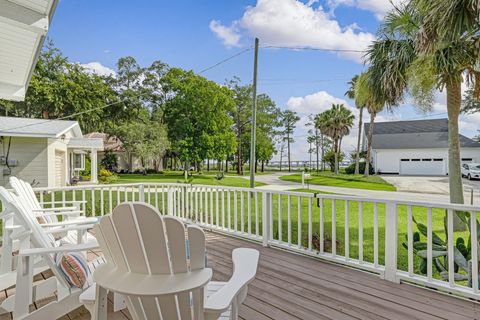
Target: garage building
417, 147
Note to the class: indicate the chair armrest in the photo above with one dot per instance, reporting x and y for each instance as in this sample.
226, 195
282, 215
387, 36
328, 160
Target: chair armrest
110, 278
68, 213
72, 228
245, 262
56, 209
61, 201
13, 227
71, 223
70, 248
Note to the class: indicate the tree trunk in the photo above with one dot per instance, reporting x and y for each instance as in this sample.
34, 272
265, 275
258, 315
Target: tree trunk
357, 156
454, 98
369, 149
316, 148
335, 151
208, 164
322, 137
263, 166
288, 153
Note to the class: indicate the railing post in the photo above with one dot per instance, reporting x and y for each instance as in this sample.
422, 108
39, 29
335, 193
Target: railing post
266, 217
391, 240
141, 193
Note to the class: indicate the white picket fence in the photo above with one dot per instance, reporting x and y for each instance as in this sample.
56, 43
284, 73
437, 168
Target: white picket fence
363, 233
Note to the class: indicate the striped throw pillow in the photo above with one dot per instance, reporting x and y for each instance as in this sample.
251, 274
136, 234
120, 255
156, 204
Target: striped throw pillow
74, 268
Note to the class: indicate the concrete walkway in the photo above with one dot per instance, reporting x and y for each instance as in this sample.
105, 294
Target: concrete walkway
274, 183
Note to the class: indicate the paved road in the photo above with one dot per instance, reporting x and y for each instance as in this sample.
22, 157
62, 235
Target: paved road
428, 184
274, 183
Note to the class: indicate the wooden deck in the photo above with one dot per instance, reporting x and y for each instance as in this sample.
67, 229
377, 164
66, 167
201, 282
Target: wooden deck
290, 286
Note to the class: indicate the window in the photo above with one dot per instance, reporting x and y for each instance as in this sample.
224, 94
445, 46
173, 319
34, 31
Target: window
465, 166
437, 159
426, 159
467, 159
415, 159
405, 160
78, 161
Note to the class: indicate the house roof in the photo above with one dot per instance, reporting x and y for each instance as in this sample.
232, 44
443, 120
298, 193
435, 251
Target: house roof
28, 127
24, 25
110, 143
414, 135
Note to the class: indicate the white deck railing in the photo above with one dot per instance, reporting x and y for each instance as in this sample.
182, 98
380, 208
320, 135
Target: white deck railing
377, 235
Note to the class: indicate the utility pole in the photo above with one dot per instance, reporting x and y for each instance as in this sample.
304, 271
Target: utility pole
254, 117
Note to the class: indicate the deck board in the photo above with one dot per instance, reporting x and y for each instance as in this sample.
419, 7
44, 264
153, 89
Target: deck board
290, 286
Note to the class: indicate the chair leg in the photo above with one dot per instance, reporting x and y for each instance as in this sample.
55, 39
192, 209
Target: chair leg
99, 311
118, 302
23, 292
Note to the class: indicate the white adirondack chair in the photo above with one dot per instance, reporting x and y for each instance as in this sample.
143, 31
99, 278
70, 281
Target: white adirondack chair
35, 241
71, 214
146, 261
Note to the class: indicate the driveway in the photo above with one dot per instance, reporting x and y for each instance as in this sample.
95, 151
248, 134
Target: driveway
428, 184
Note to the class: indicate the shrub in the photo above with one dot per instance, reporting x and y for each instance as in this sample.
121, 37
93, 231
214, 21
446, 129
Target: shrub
351, 168
330, 159
107, 176
109, 160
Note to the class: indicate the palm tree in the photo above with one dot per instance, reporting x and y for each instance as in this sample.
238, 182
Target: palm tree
424, 45
365, 95
289, 119
336, 123
351, 95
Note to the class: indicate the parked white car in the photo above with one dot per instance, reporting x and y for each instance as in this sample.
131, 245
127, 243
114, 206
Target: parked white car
471, 170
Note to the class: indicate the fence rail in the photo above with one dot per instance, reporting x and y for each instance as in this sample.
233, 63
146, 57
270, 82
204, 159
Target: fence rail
431, 244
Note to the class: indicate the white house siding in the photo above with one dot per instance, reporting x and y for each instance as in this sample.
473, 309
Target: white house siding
31, 154
388, 160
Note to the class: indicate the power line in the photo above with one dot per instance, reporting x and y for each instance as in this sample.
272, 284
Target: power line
311, 49
225, 60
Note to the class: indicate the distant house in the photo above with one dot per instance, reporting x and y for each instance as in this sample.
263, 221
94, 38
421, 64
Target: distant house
126, 162
416, 147
46, 153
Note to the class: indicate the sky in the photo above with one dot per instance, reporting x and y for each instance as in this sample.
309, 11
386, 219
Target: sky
195, 35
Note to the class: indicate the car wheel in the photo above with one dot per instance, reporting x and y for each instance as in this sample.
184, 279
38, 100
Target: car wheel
469, 177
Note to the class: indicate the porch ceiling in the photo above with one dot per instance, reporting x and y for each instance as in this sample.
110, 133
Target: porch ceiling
23, 27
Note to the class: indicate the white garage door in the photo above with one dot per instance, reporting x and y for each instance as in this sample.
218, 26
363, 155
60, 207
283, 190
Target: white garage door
425, 167
59, 168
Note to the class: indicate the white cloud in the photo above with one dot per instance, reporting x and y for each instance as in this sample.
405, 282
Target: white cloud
378, 7
293, 23
314, 103
229, 35
98, 68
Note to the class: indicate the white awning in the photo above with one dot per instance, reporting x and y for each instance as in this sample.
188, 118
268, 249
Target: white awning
85, 143
23, 27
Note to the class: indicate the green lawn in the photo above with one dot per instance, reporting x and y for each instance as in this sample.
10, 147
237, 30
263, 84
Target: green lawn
178, 177
344, 181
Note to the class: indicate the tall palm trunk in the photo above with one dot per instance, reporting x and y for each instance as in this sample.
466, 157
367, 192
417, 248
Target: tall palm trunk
454, 97
335, 147
373, 114
357, 156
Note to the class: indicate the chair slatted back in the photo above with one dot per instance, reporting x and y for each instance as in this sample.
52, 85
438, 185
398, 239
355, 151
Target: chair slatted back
136, 238
38, 237
25, 191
